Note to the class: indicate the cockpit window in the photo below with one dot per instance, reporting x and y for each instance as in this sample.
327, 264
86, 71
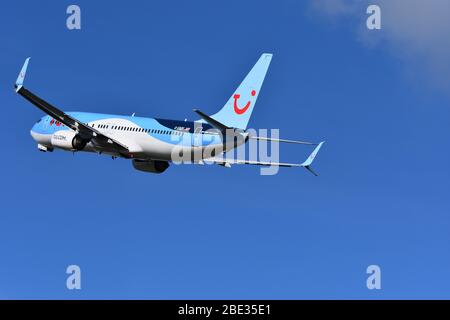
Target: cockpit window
38, 121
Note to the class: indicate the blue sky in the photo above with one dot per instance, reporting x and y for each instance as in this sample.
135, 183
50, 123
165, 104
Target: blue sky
211, 232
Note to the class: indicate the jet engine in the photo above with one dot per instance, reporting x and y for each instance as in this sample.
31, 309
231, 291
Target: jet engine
153, 166
68, 140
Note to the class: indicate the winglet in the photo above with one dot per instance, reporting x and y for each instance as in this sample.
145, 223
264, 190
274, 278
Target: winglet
21, 77
312, 156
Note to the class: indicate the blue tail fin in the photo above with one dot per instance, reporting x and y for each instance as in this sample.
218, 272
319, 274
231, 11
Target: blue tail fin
237, 111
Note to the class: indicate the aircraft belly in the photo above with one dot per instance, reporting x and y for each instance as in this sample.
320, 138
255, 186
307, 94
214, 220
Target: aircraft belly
156, 149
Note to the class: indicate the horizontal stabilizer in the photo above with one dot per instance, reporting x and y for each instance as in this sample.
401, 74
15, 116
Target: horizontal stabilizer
283, 140
216, 124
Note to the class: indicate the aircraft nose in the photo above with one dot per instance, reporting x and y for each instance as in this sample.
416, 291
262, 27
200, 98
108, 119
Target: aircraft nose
33, 132
43, 138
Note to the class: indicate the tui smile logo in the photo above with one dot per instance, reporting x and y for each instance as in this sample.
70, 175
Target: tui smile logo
239, 110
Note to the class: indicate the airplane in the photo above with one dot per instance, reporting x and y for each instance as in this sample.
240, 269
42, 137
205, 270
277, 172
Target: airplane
151, 142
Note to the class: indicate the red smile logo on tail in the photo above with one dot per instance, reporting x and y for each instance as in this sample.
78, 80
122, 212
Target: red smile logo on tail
236, 107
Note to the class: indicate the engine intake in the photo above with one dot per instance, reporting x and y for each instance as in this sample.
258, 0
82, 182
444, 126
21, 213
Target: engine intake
79, 143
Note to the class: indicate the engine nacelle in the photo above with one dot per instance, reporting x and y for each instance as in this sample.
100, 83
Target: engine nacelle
68, 140
154, 166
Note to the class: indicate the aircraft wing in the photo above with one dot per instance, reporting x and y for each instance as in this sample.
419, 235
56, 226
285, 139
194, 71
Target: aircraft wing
306, 164
84, 130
